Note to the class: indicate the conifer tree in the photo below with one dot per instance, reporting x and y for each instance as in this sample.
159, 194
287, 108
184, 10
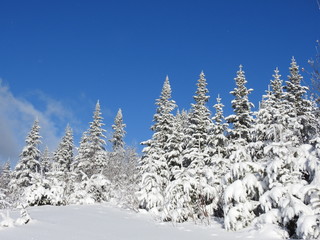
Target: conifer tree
5, 177
46, 161
26, 176
63, 157
242, 119
240, 206
92, 157
5, 174
193, 195
89, 183
271, 121
119, 133
115, 171
288, 175
200, 123
29, 163
82, 153
154, 165
221, 164
60, 175
176, 143
219, 130
300, 110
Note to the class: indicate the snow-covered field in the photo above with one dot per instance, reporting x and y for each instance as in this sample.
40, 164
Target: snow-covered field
95, 222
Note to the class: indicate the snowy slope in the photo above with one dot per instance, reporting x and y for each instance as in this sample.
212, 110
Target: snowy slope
97, 222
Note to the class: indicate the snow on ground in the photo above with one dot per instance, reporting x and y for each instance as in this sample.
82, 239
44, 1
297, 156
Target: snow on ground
101, 222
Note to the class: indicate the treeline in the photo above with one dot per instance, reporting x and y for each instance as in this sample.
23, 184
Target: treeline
59, 178
248, 168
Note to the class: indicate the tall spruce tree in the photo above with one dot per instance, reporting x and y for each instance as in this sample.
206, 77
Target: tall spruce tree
300, 108
270, 118
46, 161
192, 194
29, 163
115, 170
154, 165
219, 130
244, 175
63, 157
89, 183
200, 124
119, 133
176, 143
27, 171
242, 119
60, 173
92, 157
288, 175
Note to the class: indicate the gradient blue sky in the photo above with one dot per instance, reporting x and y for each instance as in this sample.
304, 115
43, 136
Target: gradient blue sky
57, 58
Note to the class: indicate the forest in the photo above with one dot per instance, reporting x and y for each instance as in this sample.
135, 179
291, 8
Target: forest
248, 168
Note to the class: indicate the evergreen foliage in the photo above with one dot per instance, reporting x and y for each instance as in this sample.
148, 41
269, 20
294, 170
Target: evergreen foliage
119, 133
249, 171
242, 119
154, 169
27, 170
5, 176
92, 157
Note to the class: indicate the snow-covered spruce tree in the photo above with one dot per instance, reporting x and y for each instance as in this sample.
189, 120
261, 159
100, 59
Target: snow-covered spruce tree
27, 171
116, 167
192, 194
290, 165
93, 159
82, 154
175, 190
242, 119
63, 157
59, 176
301, 112
244, 181
122, 167
219, 159
45, 161
271, 120
200, 127
5, 177
128, 183
220, 140
119, 133
176, 143
116, 157
89, 183
153, 167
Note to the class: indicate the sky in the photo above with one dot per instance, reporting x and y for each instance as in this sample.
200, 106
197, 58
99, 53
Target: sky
58, 58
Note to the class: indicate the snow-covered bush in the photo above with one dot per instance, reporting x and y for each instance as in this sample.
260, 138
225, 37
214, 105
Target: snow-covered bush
290, 177
150, 195
38, 193
308, 227
91, 190
178, 204
239, 212
24, 216
241, 197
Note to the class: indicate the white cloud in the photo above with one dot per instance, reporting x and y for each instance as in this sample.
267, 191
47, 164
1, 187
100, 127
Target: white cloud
17, 116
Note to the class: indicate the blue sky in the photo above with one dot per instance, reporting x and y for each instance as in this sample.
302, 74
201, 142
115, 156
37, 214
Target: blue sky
57, 58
